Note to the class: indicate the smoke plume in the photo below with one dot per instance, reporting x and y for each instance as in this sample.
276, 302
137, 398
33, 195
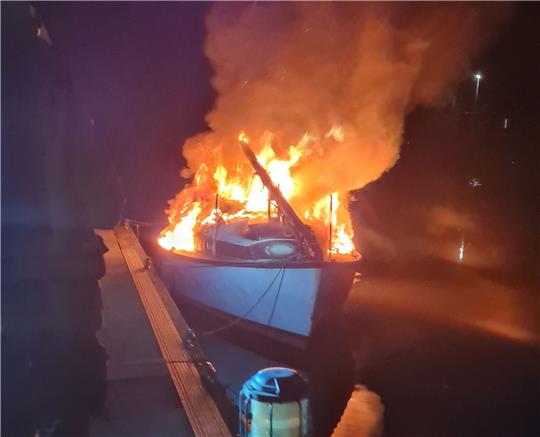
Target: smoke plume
292, 68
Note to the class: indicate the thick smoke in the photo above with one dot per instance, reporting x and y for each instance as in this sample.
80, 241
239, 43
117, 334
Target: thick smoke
292, 68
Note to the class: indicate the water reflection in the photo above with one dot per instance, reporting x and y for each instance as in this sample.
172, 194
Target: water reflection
328, 364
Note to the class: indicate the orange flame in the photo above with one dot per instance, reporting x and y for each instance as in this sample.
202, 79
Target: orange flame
181, 236
243, 196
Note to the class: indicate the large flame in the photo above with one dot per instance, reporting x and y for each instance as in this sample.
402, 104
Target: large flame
322, 89
240, 195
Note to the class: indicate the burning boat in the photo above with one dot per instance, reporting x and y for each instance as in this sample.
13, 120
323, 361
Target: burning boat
269, 275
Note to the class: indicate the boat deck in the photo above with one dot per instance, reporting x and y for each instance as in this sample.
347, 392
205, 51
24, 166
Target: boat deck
154, 387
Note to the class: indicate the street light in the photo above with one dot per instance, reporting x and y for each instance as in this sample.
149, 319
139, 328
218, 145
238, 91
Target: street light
477, 77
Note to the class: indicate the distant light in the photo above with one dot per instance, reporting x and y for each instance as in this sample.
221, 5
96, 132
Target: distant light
43, 34
506, 123
477, 77
461, 251
475, 182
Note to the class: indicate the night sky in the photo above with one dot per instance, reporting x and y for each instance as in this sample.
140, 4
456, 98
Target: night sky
142, 71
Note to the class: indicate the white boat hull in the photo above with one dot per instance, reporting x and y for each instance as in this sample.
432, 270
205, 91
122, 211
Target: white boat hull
290, 298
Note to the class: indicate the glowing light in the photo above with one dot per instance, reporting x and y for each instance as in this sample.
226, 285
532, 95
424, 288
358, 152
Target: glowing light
477, 76
475, 182
341, 235
181, 237
461, 251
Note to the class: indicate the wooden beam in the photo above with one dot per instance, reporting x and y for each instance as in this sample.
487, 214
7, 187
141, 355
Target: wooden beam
200, 408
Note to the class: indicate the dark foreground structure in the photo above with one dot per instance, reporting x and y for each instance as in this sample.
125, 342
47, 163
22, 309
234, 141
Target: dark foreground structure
57, 186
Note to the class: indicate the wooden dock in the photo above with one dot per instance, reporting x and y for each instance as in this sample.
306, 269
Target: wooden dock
154, 386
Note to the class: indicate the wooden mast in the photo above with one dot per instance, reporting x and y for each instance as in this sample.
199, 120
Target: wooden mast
304, 233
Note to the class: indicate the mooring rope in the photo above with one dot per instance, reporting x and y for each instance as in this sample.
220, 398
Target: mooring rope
243, 316
276, 298
234, 322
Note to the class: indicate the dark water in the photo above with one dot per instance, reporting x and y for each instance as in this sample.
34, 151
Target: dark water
432, 379
439, 360
328, 364
439, 379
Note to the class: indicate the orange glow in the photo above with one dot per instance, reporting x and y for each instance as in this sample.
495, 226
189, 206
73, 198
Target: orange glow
181, 236
341, 228
242, 196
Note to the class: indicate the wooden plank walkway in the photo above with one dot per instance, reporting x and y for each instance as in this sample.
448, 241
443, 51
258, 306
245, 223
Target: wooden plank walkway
165, 320
141, 400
